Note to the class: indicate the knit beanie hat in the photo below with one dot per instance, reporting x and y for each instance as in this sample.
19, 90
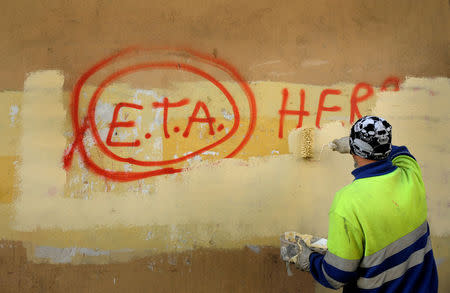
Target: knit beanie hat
370, 138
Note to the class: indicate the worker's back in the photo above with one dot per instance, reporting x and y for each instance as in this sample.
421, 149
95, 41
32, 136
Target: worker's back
386, 245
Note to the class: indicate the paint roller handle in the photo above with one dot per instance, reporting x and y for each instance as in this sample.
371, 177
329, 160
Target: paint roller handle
341, 145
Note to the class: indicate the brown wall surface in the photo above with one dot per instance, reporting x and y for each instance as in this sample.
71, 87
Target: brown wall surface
362, 40
243, 270
214, 227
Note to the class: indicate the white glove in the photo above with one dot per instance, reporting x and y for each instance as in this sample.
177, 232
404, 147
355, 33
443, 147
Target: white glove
341, 145
296, 248
297, 253
301, 260
289, 252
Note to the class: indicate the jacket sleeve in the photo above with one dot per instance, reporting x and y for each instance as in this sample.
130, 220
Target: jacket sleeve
345, 249
399, 151
402, 158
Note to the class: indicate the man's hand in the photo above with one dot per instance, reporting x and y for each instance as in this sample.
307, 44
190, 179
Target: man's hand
341, 145
298, 254
289, 251
301, 260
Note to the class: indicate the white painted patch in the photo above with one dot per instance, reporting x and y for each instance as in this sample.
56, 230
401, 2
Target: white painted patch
91, 252
146, 188
266, 63
103, 114
137, 101
88, 139
227, 115
158, 121
13, 111
65, 255
149, 235
277, 74
202, 128
157, 151
123, 136
254, 248
314, 62
151, 93
138, 122
196, 158
275, 152
103, 132
210, 153
127, 167
56, 255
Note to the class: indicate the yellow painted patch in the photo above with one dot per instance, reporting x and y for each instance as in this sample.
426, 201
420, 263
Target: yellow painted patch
215, 202
8, 191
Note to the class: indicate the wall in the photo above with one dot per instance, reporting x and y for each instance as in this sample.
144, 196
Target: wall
145, 145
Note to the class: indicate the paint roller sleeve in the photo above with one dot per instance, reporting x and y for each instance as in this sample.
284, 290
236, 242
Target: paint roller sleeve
301, 142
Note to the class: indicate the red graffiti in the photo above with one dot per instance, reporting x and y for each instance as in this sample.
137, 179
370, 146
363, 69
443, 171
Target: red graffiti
194, 64
89, 122
322, 108
361, 92
165, 65
166, 105
355, 99
210, 120
283, 112
115, 124
391, 81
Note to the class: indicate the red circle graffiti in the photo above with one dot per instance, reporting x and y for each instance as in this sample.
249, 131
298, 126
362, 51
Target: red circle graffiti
81, 128
159, 65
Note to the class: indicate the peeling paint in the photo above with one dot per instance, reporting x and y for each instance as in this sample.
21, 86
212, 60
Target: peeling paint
227, 115
254, 248
13, 111
314, 62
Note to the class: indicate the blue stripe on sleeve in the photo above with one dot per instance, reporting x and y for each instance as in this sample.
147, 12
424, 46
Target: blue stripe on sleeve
339, 275
317, 262
315, 267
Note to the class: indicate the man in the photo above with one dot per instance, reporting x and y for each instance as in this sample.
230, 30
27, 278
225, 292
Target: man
378, 238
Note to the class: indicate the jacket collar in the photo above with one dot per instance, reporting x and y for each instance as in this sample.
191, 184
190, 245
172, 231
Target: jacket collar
377, 168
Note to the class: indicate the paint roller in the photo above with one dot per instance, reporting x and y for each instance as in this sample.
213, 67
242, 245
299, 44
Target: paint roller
301, 142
